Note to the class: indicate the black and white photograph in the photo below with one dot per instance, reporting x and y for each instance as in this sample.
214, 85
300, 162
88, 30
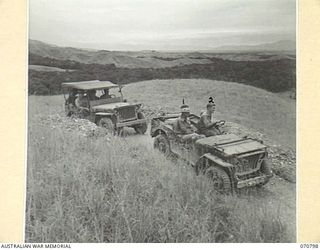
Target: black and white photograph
169, 121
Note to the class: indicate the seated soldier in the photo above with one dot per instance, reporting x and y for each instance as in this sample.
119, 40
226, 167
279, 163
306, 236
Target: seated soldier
106, 94
184, 128
81, 101
92, 95
207, 125
72, 97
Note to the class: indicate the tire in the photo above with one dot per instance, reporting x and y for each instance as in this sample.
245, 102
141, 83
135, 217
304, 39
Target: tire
141, 128
107, 124
220, 179
266, 169
162, 144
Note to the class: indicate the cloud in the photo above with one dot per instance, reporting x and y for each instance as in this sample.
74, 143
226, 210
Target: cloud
148, 22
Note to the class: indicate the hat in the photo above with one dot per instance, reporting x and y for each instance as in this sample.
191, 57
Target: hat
185, 108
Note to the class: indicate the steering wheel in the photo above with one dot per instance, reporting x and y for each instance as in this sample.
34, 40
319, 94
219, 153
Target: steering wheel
220, 123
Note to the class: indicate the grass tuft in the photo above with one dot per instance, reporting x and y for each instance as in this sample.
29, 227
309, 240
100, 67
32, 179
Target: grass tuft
93, 190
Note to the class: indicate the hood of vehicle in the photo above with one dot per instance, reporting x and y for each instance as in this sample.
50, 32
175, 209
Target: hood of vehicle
111, 106
230, 144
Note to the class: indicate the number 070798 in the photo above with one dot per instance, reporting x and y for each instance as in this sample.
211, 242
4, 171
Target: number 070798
308, 245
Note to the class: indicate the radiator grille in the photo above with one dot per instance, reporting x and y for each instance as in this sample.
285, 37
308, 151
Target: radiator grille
127, 113
247, 164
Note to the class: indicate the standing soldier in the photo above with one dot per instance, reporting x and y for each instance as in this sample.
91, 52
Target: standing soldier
207, 125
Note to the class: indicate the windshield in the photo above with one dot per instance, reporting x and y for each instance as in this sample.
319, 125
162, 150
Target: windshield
105, 93
96, 94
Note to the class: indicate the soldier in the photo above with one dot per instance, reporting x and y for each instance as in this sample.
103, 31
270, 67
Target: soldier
106, 94
72, 97
81, 101
184, 128
207, 125
92, 95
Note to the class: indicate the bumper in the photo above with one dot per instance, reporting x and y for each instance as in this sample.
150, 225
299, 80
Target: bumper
252, 182
131, 123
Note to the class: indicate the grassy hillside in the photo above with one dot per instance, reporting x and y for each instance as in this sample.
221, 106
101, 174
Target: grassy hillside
252, 107
89, 189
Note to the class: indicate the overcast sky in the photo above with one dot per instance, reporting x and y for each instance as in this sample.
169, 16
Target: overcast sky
161, 24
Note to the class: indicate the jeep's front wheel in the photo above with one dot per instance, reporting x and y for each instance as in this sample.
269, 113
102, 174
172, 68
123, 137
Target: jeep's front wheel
107, 124
220, 179
266, 169
162, 144
141, 128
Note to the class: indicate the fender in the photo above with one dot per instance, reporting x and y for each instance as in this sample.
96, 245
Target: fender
158, 132
216, 160
100, 115
223, 165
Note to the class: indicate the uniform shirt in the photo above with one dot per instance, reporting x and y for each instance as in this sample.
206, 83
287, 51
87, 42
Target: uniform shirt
206, 121
183, 126
81, 102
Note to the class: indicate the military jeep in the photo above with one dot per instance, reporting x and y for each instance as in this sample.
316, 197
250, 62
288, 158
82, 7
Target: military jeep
94, 100
230, 161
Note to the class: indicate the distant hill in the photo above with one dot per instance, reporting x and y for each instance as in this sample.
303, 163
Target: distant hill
273, 71
284, 45
127, 59
156, 59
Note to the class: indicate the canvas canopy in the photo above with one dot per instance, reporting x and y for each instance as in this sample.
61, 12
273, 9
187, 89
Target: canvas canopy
87, 85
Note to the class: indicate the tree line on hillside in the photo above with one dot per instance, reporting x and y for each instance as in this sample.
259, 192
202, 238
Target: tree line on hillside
272, 75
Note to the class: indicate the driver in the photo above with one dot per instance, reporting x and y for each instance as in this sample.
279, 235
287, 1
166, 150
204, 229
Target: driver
81, 101
184, 127
207, 125
92, 95
72, 97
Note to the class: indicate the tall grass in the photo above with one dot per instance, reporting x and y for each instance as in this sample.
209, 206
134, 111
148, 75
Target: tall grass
83, 189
